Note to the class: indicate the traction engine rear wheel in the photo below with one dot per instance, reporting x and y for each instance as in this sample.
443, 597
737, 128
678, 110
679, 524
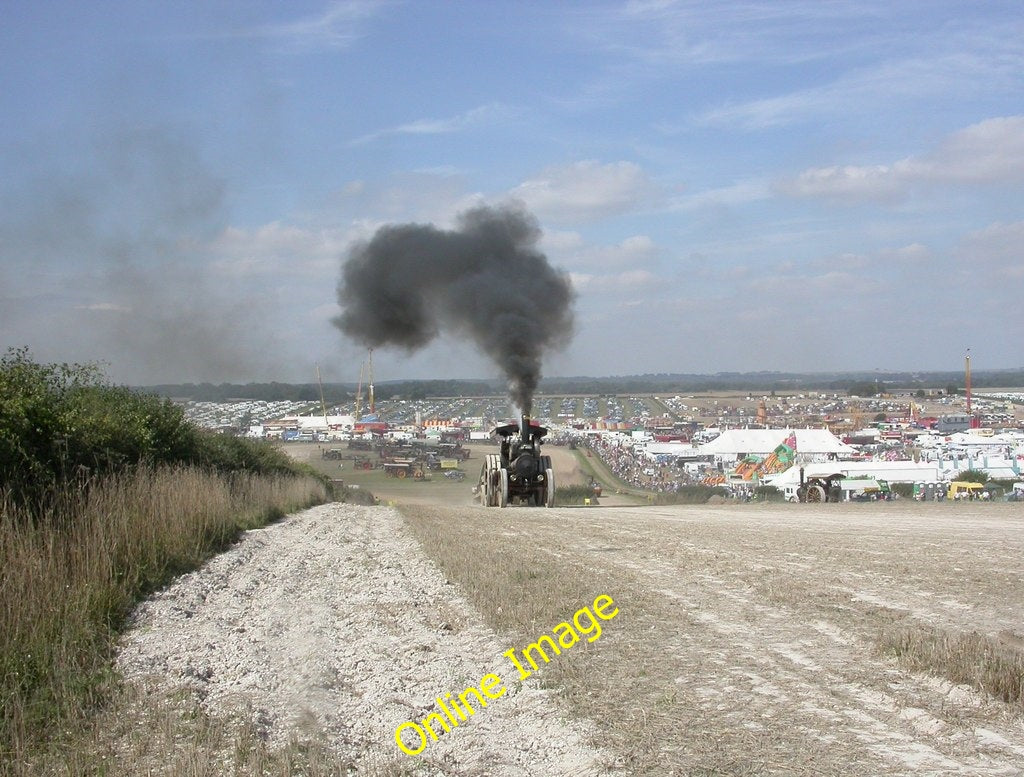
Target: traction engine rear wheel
815, 494
502, 487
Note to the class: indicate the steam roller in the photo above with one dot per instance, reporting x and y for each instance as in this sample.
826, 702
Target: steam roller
519, 474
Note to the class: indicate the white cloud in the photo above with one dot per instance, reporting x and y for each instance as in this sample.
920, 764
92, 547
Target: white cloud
739, 193
913, 254
338, 26
768, 111
554, 241
584, 191
420, 196
997, 248
930, 75
667, 33
989, 152
570, 250
637, 244
482, 115
277, 248
105, 307
863, 48
631, 252
845, 182
630, 279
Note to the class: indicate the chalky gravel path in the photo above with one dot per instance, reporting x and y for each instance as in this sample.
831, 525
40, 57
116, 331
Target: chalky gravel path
332, 623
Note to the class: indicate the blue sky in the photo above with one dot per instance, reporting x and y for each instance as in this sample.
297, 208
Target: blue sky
732, 186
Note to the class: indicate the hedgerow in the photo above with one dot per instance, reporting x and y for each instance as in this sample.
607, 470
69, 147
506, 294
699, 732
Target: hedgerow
65, 423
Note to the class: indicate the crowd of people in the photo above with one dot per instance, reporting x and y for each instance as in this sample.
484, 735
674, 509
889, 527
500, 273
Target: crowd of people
633, 467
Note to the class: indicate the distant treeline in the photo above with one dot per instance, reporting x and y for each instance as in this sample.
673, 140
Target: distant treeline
334, 393
779, 382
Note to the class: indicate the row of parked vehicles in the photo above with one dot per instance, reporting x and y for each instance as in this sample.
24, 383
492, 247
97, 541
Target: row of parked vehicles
837, 487
403, 459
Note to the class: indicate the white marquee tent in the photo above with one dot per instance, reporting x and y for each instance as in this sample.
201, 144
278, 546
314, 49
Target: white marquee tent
761, 442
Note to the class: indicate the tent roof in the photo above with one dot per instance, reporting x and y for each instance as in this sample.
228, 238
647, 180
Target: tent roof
683, 449
764, 441
966, 438
321, 422
1000, 473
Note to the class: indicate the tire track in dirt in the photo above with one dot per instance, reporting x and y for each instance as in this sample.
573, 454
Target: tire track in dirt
794, 670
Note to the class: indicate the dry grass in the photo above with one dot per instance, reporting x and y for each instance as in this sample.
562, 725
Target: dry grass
973, 659
993, 665
66, 586
144, 732
744, 642
626, 682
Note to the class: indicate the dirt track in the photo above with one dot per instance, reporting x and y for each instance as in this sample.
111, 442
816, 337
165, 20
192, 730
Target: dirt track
747, 644
332, 623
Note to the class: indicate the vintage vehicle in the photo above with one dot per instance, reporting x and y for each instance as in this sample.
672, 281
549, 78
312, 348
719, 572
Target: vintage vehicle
403, 468
820, 487
519, 474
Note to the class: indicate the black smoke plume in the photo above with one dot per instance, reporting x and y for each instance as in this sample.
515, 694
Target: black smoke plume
485, 279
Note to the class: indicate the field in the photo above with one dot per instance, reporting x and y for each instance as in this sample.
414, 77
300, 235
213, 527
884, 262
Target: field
855, 639
435, 488
772, 639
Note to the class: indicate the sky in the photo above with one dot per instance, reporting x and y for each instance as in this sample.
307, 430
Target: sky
779, 185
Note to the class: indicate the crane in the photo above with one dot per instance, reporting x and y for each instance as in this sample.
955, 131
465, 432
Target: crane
359, 394
373, 407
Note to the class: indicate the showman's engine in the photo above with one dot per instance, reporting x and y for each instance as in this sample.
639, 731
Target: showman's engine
519, 473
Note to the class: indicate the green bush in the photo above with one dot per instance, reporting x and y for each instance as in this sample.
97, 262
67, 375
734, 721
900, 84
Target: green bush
105, 495
225, 453
689, 495
972, 476
768, 494
63, 423
903, 490
573, 495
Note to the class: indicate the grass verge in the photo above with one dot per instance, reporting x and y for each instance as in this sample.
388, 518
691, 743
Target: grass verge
68, 583
573, 495
594, 467
145, 731
693, 494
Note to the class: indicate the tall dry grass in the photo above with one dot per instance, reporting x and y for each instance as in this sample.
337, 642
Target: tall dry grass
67, 583
148, 732
972, 659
